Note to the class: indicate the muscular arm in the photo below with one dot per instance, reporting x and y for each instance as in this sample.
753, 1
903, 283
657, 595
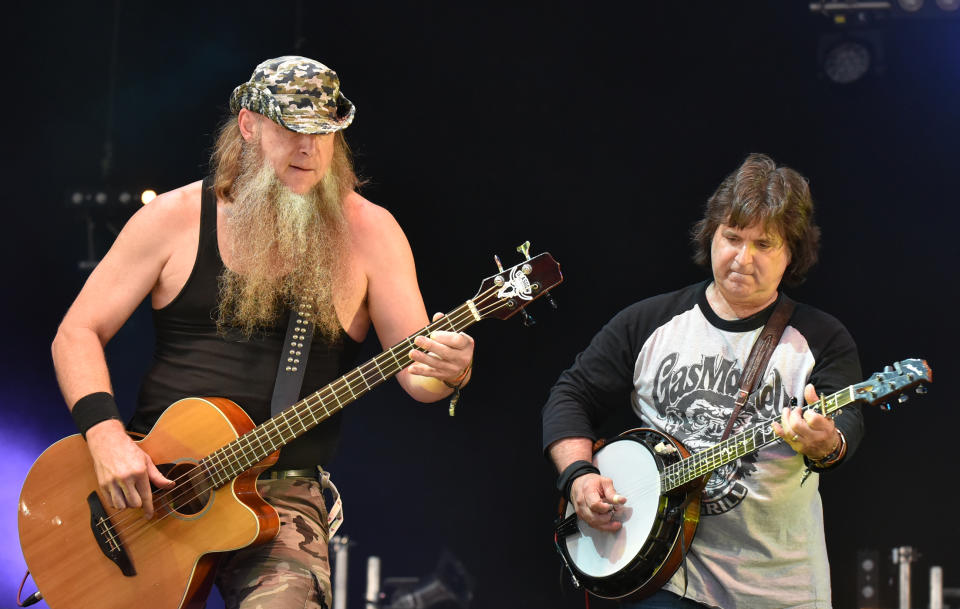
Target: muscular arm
115, 288
126, 275
396, 307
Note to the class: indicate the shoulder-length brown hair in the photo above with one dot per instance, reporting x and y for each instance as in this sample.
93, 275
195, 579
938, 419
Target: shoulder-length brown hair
225, 161
778, 198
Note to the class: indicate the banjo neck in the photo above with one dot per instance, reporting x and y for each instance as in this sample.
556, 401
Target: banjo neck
879, 387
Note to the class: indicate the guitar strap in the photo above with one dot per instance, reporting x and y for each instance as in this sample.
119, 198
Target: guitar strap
757, 362
293, 360
286, 391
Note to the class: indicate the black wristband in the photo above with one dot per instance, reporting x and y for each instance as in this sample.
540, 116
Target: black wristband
572, 472
92, 409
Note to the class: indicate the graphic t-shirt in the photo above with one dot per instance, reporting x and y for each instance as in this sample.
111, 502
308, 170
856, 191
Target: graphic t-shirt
760, 542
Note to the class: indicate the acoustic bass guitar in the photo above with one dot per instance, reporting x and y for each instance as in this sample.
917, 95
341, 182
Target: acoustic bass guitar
84, 554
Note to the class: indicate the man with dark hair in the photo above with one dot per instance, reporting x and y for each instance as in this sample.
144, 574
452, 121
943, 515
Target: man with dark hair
677, 358
278, 227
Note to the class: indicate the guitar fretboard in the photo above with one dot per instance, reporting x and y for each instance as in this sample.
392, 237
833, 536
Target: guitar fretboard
234, 458
740, 444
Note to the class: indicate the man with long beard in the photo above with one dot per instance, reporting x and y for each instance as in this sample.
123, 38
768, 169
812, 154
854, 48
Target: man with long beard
278, 226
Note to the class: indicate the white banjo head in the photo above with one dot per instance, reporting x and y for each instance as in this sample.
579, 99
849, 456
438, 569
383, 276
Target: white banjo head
635, 475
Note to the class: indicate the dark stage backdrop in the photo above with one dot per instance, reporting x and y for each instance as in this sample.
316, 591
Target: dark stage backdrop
594, 131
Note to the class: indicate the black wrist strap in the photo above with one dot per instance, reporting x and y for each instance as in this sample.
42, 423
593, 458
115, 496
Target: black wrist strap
572, 472
293, 359
94, 408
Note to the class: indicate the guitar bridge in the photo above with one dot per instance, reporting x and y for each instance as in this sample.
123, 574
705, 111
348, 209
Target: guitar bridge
106, 536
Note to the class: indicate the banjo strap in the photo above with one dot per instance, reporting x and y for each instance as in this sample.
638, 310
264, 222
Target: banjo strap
759, 357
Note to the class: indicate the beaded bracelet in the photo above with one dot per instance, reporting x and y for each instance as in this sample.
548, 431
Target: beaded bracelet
456, 385
457, 382
835, 455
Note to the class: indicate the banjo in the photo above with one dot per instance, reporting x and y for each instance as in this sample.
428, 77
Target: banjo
663, 481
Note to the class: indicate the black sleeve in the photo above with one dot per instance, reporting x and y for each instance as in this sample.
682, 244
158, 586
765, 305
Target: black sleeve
837, 367
600, 381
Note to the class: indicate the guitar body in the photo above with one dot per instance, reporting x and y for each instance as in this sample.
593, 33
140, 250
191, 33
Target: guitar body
173, 555
657, 529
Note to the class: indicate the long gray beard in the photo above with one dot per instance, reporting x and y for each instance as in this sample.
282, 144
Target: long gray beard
286, 249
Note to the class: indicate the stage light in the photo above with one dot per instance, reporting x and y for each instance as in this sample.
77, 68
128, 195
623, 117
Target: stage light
948, 5
847, 6
911, 6
147, 196
846, 62
103, 198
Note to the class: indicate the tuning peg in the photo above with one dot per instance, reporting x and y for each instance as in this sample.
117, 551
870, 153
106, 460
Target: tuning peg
497, 260
524, 248
921, 390
903, 398
888, 368
550, 300
528, 319
886, 407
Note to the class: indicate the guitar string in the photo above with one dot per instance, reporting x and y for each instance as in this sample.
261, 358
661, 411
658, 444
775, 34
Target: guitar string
282, 423
170, 503
184, 487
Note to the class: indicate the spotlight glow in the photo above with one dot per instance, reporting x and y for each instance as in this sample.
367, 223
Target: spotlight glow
847, 62
147, 196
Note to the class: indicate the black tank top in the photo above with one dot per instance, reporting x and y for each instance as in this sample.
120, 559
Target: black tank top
192, 359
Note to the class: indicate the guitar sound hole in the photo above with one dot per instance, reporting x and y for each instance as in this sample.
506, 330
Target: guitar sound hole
192, 492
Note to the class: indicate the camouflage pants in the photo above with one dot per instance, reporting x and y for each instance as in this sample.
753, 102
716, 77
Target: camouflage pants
293, 569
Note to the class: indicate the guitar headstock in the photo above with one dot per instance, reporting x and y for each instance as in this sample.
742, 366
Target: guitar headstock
509, 291
894, 381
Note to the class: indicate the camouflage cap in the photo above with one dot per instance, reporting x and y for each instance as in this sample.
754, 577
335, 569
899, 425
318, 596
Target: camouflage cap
300, 94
